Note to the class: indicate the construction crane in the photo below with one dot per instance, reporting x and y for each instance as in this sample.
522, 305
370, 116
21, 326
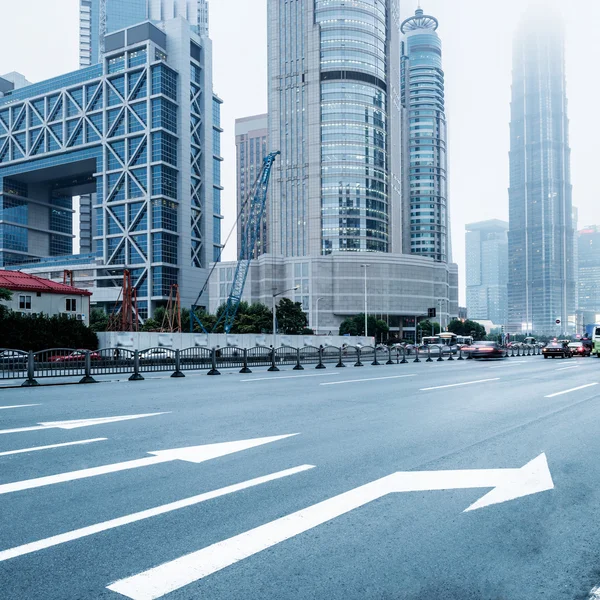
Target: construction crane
257, 200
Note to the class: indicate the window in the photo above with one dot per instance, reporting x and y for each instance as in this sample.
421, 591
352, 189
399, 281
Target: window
71, 305
25, 302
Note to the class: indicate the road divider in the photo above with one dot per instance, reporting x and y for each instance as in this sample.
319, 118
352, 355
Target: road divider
451, 385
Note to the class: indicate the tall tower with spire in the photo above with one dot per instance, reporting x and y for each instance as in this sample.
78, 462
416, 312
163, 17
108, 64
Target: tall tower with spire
541, 289
424, 181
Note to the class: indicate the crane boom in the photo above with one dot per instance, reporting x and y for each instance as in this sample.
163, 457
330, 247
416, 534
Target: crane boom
249, 237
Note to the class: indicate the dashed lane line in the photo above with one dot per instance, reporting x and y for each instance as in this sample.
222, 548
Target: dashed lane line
36, 448
575, 389
451, 385
18, 406
277, 378
368, 379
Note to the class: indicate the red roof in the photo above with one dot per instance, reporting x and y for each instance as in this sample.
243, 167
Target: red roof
17, 281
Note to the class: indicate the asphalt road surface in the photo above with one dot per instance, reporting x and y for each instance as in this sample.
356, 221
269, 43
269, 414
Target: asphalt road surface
433, 481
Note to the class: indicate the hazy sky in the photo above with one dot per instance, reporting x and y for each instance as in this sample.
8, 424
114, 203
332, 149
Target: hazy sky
39, 38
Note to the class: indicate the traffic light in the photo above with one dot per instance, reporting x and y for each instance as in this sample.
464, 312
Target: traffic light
502, 328
431, 312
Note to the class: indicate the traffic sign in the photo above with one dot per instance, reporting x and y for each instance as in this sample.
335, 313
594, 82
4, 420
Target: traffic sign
558, 321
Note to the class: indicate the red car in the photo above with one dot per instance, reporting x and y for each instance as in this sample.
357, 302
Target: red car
78, 355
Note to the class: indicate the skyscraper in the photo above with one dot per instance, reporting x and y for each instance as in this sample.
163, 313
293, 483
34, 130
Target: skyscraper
251, 134
487, 270
97, 18
540, 238
334, 115
425, 196
588, 242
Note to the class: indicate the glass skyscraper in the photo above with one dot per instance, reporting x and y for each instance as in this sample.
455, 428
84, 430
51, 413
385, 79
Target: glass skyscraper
425, 195
541, 287
334, 115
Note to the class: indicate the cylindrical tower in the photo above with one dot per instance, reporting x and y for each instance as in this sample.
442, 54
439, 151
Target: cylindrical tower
426, 228
355, 179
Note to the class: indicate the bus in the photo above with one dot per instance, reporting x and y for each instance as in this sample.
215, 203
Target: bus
596, 341
443, 339
464, 340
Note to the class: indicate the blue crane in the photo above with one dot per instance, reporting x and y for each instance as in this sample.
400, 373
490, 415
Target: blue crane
257, 201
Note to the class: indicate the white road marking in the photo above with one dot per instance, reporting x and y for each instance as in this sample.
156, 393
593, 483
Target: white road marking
565, 368
581, 387
77, 534
18, 406
194, 454
369, 379
595, 593
36, 448
509, 484
276, 377
510, 364
76, 423
440, 387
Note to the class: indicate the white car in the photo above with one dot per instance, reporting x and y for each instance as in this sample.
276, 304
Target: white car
157, 355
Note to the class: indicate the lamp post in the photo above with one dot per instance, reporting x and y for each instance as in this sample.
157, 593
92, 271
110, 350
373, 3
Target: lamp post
275, 314
365, 268
317, 316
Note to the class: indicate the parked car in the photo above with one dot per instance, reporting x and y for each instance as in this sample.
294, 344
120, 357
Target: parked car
157, 355
580, 349
78, 355
554, 349
486, 350
13, 359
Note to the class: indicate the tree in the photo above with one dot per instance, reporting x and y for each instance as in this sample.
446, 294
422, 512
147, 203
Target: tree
467, 328
291, 319
427, 328
5, 295
98, 320
356, 326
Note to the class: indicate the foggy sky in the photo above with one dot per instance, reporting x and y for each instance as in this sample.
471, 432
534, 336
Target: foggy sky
39, 38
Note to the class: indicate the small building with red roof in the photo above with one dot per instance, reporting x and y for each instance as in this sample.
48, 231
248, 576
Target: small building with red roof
32, 294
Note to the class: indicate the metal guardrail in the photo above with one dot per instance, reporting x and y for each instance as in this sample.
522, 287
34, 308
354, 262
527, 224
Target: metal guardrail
69, 362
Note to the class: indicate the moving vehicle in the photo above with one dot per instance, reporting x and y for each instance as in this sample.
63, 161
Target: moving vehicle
464, 340
580, 349
78, 355
596, 341
446, 341
157, 355
486, 350
554, 349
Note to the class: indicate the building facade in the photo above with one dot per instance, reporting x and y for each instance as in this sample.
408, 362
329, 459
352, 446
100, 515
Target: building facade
98, 18
541, 287
35, 295
487, 271
588, 244
425, 163
251, 144
137, 130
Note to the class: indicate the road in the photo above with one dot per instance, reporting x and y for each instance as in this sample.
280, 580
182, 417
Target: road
348, 484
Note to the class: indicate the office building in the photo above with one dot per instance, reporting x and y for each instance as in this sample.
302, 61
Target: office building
335, 222
487, 271
139, 130
588, 244
98, 18
425, 192
251, 134
540, 239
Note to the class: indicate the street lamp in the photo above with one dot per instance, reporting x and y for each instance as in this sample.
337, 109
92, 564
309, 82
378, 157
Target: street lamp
365, 267
275, 314
317, 317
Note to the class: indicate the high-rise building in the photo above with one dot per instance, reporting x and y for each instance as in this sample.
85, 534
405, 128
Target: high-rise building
425, 195
335, 222
138, 129
541, 269
487, 271
588, 242
251, 134
97, 18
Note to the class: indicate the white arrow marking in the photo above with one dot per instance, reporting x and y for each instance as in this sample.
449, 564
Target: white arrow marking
195, 454
75, 424
145, 514
18, 406
509, 484
52, 446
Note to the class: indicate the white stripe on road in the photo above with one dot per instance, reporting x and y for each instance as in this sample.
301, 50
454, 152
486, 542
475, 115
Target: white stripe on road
36, 448
369, 379
595, 593
565, 368
77, 534
440, 387
581, 387
290, 376
18, 406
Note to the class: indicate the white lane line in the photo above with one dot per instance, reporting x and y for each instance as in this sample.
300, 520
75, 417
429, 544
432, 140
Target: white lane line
369, 379
565, 368
277, 378
595, 593
18, 406
581, 387
77, 534
440, 387
36, 448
